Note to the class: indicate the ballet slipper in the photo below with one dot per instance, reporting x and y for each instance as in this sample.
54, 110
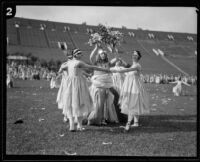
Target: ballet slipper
127, 128
65, 119
103, 123
81, 129
135, 125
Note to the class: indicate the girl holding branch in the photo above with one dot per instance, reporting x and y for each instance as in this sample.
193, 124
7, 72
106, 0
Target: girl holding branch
104, 109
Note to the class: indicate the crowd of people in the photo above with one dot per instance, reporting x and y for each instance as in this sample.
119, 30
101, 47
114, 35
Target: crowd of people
165, 79
111, 93
28, 72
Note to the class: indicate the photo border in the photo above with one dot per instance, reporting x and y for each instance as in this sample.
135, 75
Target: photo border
136, 3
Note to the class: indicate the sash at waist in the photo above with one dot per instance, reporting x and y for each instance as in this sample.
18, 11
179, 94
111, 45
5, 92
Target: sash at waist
102, 81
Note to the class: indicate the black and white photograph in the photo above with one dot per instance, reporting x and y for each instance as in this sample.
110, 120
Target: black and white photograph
101, 81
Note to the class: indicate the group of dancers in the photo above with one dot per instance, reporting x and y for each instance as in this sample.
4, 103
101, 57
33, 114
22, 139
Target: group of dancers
95, 103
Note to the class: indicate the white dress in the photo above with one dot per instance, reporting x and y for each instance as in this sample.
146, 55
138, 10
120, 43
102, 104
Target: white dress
53, 82
77, 101
134, 99
101, 83
177, 90
118, 79
62, 86
9, 80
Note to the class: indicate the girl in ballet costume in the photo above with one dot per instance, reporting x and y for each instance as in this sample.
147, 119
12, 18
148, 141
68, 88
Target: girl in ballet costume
77, 102
177, 90
134, 100
64, 75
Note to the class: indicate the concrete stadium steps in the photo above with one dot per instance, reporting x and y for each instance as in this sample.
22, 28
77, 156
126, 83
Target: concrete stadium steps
140, 34
36, 23
32, 37
43, 44
189, 65
59, 26
82, 29
178, 49
49, 25
150, 63
183, 61
24, 22
12, 35
81, 41
58, 36
131, 44
41, 53
73, 27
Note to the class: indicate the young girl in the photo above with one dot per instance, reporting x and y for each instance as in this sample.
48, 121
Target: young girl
77, 102
64, 75
177, 90
101, 82
134, 99
118, 78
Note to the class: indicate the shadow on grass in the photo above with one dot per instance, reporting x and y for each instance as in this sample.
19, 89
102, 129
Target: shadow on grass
158, 124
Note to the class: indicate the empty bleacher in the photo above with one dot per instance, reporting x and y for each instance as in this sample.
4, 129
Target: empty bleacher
32, 37
58, 36
12, 35
81, 40
28, 35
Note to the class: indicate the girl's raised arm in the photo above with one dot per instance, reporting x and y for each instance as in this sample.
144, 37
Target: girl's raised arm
93, 54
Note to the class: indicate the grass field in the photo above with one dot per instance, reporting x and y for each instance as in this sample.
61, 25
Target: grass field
169, 130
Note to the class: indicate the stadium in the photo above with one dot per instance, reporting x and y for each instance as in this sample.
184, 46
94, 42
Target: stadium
35, 125
41, 39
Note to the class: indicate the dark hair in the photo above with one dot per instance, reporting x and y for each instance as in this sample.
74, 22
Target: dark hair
139, 54
99, 60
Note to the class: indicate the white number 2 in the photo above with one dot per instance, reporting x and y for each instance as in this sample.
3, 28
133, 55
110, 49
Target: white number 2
9, 11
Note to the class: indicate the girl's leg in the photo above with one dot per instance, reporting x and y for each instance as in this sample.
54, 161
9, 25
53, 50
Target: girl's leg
102, 106
71, 124
65, 118
79, 125
136, 121
128, 124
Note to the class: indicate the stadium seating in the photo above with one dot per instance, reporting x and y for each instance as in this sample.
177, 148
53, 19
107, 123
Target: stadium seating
180, 50
32, 37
